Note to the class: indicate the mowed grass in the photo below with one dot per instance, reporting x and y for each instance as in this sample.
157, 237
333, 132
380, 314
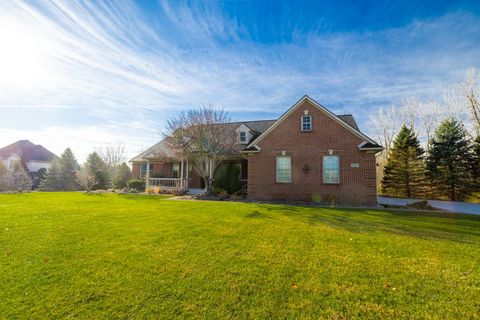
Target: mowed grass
73, 255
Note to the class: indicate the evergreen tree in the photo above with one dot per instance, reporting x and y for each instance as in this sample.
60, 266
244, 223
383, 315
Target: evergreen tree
123, 175
96, 167
227, 177
52, 179
476, 163
68, 171
404, 171
450, 161
37, 179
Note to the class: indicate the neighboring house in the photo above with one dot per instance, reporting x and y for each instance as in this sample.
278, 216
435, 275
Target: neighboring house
30, 156
308, 152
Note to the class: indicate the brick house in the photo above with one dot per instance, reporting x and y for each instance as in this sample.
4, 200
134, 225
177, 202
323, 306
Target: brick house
308, 152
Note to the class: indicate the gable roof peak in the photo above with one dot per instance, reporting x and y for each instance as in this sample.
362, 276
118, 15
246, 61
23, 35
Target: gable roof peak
349, 126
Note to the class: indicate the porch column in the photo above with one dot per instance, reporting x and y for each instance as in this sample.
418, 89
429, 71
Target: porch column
147, 181
181, 175
186, 173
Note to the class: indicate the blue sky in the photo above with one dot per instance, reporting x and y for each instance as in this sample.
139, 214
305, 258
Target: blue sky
85, 74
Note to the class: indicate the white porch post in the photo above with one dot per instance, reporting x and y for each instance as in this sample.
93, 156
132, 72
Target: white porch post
181, 175
186, 173
147, 182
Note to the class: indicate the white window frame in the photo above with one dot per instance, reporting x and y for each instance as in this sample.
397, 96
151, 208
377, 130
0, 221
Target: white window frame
244, 136
176, 167
277, 168
338, 170
303, 123
143, 172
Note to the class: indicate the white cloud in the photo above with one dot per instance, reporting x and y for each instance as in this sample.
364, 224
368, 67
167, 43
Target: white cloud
128, 73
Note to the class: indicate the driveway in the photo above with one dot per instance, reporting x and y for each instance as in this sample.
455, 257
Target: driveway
452, 206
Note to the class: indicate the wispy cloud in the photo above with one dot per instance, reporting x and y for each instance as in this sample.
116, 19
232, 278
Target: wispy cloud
121, 66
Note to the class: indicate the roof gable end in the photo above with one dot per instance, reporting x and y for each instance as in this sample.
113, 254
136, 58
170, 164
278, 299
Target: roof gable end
318, 106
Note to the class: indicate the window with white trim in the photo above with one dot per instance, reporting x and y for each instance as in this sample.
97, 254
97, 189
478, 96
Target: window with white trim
243, 136
190, 169
175, 170
306, 122
143, 170
331, 169
284, 169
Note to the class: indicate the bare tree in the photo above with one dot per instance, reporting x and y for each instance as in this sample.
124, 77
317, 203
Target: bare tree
471, 90
407, 112
202, 136
429, 116
113, 156
15, 180
86, 178
385, 124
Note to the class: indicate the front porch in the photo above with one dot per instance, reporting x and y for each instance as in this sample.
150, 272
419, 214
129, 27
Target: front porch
181, 177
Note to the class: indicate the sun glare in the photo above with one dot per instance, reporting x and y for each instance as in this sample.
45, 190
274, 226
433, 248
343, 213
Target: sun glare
23, 56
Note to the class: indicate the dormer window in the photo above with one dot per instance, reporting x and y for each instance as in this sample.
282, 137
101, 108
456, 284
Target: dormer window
306, 122
243, 136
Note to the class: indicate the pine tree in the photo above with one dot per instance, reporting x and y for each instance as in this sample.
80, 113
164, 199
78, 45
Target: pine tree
450, 161
52, 179
68, 171
404, 171
96, 167
476, 164
123, 175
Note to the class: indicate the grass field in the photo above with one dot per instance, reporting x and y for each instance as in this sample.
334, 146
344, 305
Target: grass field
73, 255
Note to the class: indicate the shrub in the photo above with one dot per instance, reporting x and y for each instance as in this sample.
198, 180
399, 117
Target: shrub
330, 199
226, 178
421, 205
219, 191
138, 185
317, 197
122, 176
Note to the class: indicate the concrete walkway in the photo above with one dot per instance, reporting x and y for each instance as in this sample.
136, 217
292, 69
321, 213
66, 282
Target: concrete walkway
452, 206
195, 191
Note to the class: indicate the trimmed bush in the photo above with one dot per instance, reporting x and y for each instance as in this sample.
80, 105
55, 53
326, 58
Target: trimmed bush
138, 185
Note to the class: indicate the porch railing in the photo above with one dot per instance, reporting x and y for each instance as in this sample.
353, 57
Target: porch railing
168, 183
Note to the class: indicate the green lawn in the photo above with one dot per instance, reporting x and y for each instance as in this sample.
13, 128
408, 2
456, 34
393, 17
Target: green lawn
72, 255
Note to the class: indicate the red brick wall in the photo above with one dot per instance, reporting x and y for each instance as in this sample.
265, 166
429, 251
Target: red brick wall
161, 170
136, 171
357, 185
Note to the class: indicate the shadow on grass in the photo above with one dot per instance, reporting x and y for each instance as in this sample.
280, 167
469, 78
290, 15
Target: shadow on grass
449, 226
258, 215
142, 197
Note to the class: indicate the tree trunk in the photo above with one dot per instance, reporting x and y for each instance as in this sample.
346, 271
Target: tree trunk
209, 180
452, 191
452, 182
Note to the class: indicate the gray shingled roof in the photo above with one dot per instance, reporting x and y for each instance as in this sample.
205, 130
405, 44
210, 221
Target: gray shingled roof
258, 127
153, 151
348, 119
27, 151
